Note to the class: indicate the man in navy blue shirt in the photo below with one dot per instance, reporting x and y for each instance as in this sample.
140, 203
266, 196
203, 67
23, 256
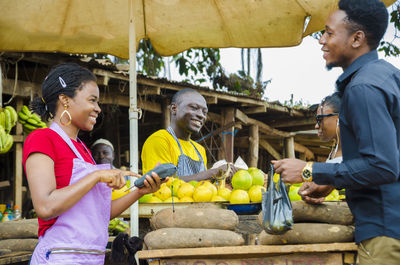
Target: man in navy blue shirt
369, 128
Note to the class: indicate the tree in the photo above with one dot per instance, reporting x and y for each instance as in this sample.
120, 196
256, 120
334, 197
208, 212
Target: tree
388, 47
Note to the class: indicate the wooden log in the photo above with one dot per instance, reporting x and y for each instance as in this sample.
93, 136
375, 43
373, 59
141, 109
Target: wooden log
4, 251
270, 149
310, 233
171, 238
289, 147
228, 137
304, 150
327, 212
253, 147
18, 165
27, 228
194, 217
166, 114
27, 244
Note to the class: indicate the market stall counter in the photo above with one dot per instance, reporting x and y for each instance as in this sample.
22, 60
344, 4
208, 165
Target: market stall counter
212, 235
321, 254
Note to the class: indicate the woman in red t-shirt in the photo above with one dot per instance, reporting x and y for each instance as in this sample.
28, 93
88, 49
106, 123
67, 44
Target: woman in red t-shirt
70, 193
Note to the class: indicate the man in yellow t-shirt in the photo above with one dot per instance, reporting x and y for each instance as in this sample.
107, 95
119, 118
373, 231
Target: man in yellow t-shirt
188, 114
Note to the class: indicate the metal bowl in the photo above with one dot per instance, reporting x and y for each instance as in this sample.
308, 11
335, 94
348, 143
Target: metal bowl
245, 208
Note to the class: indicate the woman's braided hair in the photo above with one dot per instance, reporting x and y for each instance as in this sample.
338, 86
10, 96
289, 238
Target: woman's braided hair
65, 79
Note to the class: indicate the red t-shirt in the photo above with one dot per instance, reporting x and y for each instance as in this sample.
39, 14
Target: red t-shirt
48, 142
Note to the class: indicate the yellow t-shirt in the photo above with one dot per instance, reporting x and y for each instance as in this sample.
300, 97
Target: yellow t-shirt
162, 147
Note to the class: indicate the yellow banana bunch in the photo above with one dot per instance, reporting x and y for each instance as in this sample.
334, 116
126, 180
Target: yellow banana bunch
30, 121
8, 118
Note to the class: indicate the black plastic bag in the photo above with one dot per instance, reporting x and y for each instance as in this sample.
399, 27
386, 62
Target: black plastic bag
276, 207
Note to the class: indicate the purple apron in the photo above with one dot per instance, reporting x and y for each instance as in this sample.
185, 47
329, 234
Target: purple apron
79, 235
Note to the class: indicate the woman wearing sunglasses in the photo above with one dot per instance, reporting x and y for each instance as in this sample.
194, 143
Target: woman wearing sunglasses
327, 124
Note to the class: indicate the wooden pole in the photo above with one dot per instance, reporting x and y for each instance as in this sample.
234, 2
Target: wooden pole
18, 162
253, 147
227, 135
289, 147
165, 113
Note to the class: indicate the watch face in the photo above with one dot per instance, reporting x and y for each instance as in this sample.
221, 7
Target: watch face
306, 174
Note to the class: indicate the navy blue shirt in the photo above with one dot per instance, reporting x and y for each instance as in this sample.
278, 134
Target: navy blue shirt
370, 134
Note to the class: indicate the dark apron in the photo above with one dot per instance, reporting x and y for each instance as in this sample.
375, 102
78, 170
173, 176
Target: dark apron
186, 165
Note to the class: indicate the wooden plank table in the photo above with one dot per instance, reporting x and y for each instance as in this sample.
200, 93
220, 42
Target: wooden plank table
307, 254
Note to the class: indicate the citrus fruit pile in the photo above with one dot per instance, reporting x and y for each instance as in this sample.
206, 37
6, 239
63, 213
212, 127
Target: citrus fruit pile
294, 192
247, 187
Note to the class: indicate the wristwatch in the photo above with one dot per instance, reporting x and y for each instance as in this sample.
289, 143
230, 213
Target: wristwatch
306, 173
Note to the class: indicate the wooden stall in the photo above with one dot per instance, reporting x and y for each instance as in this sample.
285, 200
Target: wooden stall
237, 125
311, 254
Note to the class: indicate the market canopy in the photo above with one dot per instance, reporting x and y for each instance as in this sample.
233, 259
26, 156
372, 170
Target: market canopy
101, 26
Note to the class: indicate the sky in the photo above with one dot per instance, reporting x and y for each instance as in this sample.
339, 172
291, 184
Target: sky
298, 70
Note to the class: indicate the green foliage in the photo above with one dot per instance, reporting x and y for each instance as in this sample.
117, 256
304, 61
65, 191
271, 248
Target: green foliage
388, 47
149, 61
300, 104
242, 83
198, 64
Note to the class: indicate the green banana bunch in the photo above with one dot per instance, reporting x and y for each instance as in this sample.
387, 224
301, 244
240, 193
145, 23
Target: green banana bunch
116, 226
8, 118
6, 140
30, 121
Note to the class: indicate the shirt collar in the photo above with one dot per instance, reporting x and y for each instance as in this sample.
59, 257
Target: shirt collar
345, 77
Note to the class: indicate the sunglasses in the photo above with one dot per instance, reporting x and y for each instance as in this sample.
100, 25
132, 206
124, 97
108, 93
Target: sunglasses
320, 117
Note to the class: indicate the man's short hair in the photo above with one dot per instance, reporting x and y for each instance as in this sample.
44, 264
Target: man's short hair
178, 95
369, 16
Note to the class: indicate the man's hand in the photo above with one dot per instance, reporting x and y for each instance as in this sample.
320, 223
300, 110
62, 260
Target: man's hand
227, 168
314, 193
290, 169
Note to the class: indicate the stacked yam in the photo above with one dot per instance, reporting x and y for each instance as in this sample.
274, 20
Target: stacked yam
329, 222
193, 227
18, 235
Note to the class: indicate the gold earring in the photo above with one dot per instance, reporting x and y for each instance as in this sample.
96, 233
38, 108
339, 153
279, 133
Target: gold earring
69, 116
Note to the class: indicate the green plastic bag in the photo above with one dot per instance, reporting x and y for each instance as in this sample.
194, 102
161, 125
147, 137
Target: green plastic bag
276, 207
